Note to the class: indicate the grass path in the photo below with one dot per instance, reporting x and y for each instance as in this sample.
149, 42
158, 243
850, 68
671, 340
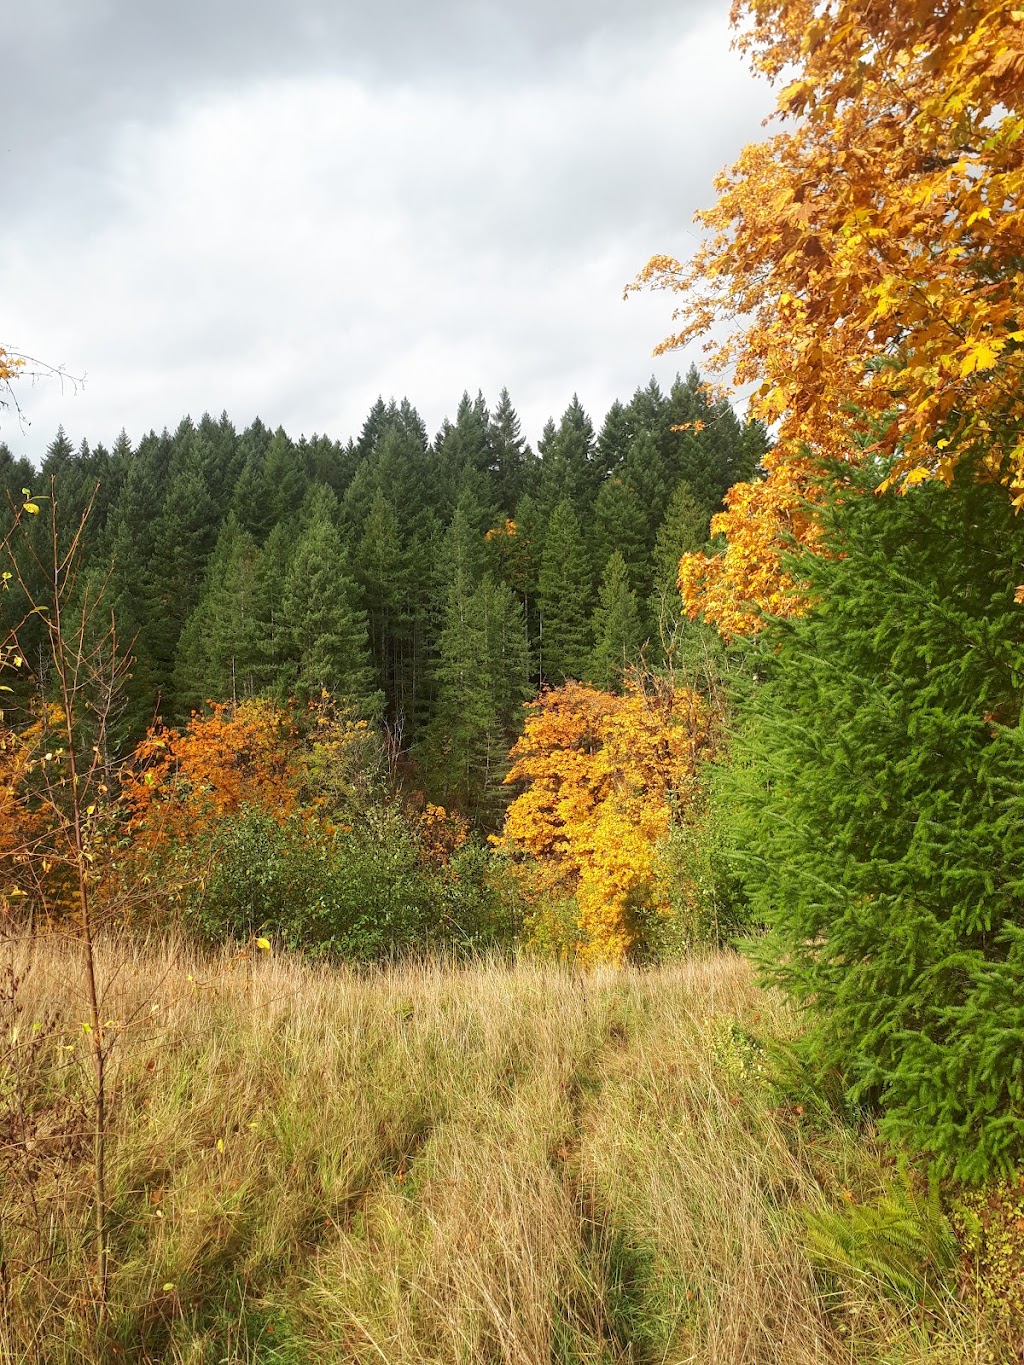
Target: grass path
429, 1164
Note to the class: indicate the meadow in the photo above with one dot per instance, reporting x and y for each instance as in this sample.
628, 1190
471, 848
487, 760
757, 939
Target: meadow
491, 1162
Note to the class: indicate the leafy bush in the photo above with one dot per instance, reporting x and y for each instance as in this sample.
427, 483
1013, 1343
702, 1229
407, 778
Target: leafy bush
879, 798
358, 891
708, 904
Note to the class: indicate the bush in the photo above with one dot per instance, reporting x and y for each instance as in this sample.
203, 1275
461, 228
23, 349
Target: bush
879, 799
359, 891
709, 907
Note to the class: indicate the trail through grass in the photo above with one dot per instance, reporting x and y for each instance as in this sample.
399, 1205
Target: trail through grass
431, 1164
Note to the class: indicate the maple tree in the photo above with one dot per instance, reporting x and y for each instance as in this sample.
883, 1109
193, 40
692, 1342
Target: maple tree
603, 775
867, 263
184, 781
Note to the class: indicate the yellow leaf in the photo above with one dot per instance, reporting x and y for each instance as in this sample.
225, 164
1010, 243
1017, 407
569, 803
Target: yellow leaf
982, 356
168, 1286
220, 1144
263, 943
33, 508
917, 475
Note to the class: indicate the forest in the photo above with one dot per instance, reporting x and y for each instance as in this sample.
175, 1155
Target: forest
562, 903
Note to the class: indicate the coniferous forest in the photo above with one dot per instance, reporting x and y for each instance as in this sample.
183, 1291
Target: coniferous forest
431, 584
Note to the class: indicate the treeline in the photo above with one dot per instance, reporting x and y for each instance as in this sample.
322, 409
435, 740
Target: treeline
435, 584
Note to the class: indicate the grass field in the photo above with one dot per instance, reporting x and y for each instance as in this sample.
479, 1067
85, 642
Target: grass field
440, 1164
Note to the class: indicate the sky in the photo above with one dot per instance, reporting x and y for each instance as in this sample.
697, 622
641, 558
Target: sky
286, 210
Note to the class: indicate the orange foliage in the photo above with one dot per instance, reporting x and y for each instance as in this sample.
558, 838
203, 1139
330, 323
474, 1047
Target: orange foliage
181, 782
603, 775
442, 833
18, 827
867, 257
762, 521
9, 365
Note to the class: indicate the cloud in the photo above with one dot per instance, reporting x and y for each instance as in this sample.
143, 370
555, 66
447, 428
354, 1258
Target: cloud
294, 241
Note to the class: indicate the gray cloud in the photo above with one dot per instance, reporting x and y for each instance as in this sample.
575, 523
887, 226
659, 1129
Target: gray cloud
294, 214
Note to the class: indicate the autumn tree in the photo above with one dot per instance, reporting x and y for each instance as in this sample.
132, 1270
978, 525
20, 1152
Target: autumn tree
182, 782
603, 778
866, 262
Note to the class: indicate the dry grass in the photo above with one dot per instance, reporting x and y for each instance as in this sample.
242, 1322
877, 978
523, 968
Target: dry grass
427, 1164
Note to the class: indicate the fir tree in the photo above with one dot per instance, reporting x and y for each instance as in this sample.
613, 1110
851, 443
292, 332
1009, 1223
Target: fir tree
622, 525
564, 598
511, 458
217, 657
617, 628
329, 648
569, 470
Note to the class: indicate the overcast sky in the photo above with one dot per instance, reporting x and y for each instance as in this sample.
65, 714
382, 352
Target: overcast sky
286, 209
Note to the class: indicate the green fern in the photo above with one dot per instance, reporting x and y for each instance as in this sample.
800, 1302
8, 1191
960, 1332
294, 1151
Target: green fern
901, 1244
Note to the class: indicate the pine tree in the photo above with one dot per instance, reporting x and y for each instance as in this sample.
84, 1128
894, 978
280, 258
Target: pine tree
564, 599
617, 627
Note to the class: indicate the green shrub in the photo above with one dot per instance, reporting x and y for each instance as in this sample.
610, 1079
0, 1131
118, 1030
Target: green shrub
359, 891
878, 794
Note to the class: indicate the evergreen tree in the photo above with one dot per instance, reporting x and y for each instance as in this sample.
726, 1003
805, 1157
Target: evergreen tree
381, 571
569, 469
251, 503
622, 525
565, 598
329, 646
284, 477
183, 538
879, 801
482, 681
684, 530
511, 458
273, 661
617, 627
646, 473
616, 436
217, 657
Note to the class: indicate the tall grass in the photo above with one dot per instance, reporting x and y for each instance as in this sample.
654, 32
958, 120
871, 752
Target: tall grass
428, 1163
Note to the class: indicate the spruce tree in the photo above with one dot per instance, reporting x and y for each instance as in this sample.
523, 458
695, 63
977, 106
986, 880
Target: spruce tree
878, 796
